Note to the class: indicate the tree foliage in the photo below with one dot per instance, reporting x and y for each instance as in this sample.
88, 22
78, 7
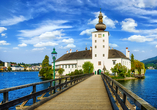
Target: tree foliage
88, 67
76, 72
60, 71
139, 65
120, 70
46, 70
132, 63
9, 68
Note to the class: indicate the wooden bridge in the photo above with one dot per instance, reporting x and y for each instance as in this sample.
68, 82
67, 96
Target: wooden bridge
87, 91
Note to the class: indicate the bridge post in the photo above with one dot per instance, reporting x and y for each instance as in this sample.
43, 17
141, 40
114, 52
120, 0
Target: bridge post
71, 80
34, 90
50, 86
59, 84
124, 98
5, 97
66, 82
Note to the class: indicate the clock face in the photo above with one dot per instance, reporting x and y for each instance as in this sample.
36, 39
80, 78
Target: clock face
99, 35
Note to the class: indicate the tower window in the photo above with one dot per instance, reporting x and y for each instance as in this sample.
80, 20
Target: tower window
114, 62
103, 46
103, 35
103, 55
99, 62
95, 35
95, 46
99, 35
103, 40
95, 55
95, 41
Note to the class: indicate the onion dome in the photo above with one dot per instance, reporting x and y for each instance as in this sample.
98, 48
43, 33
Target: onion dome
100, 26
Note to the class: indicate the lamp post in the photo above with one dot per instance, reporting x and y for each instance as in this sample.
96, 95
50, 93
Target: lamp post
54, 56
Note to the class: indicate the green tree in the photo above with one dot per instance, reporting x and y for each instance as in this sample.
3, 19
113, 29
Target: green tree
60, 71
88, 67
119, 69
46, 70
132, 63
9, 68
139, 65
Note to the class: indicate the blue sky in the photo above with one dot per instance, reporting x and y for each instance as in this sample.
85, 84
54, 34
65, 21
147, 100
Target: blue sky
29, 29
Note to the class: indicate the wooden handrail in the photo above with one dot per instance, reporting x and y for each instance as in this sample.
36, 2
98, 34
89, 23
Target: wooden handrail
142, 104
6, 104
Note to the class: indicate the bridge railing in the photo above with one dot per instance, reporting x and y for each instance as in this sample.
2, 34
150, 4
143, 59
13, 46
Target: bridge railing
119, 95
69, 80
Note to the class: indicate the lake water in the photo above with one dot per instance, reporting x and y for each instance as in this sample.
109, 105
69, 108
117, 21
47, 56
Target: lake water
144, 88
12, 79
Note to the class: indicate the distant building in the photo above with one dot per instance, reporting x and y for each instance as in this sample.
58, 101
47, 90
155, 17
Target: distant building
17, 68
7, 64
99, 54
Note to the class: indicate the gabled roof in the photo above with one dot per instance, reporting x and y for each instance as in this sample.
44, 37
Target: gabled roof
113, 53
87, 54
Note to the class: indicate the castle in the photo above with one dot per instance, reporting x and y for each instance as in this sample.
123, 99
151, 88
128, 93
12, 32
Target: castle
99, 54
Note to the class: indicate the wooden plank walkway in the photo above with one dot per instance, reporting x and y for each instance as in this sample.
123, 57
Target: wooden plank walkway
89, 94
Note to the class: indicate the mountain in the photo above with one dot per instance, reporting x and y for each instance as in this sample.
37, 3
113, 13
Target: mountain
150, 60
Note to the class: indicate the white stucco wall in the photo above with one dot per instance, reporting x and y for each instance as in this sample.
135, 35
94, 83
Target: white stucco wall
67, 65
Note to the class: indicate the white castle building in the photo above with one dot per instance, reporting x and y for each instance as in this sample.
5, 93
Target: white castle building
99, 54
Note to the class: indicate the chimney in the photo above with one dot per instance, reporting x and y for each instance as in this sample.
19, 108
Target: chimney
70, 50
109, 47
76, 50
86, 48
67, 52
127, 55
90, 48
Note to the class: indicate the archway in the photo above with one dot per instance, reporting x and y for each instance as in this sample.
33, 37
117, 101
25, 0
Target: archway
99, 72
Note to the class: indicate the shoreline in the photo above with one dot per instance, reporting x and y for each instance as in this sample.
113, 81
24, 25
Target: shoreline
127, 78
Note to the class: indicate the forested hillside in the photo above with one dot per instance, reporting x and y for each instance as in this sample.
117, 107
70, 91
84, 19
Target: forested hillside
150, 62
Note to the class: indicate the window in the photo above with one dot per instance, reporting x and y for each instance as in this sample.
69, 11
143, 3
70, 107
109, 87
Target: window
103, 40
103, 55
114, 62
99, 35
95, 35
65, 66
99, 62
95, 55
95, 46
103, 35
95, 41
68, 66
103, 46
75, 66
72, 66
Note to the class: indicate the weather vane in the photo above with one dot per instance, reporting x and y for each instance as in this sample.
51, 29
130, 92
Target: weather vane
100, 9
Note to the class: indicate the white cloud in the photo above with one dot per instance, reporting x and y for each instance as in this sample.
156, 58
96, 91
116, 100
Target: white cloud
135, 50
41, 44
3, 42
3, 34
68, 46
138, 38
129, 25
53, 34
39, 49
88, 31
15, 48
12, 21
68, 41
107, 21
113, 45
22, 45
156, 46
46, 26
2, 29
143, 51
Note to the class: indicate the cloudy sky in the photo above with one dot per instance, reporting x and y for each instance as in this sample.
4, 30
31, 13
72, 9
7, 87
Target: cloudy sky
30, 29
